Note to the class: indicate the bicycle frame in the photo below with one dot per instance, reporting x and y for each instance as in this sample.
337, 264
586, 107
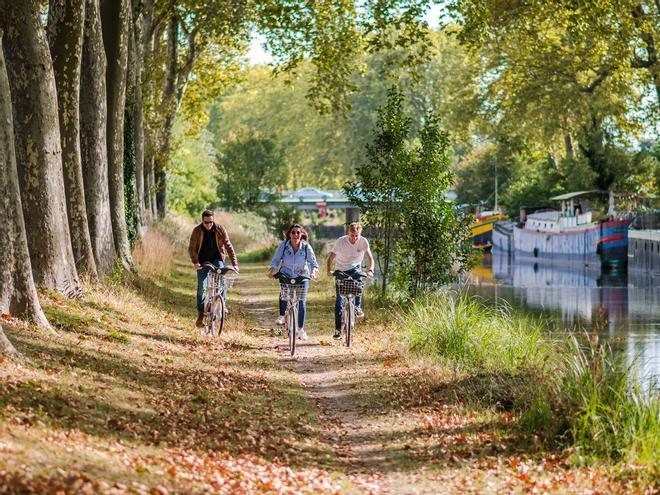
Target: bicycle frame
292, 290
348, 289
215, 303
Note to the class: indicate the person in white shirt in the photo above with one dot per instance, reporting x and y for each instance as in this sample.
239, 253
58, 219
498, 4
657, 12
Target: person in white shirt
347, 254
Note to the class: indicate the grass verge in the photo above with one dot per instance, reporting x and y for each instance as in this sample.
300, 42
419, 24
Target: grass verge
576, 393
127, 397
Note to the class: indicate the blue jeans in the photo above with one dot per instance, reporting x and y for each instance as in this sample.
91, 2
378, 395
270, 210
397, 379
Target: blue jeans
302, 306
202, 282
339, 301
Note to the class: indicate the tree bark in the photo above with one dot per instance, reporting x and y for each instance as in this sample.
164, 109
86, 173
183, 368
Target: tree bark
65, 35
93, 121
568, 144
38, 147
18, 294
115, 20
6, 348
137, 65
150, 180
167, 110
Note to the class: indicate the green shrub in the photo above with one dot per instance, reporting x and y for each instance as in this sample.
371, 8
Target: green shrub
257, 255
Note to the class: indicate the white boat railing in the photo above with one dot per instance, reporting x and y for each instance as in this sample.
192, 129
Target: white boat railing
552, 221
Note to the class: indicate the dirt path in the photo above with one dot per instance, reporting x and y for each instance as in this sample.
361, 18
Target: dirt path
369, 446
400, 427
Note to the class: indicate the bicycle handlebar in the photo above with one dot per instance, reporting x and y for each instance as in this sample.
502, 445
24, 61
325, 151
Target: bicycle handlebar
340, 275
223, 270
286, 279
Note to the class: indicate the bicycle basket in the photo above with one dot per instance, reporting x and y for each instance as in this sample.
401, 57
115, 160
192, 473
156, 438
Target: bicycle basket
218, 282
349, 286
287, 291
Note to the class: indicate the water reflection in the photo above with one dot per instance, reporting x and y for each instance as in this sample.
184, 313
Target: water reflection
627, 303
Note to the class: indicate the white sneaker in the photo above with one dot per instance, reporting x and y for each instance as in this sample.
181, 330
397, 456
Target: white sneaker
358, 312
280, 320
302, 335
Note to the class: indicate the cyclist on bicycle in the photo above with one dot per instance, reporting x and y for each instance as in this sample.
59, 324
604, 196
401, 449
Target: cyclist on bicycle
294, 257
348, 253
209, 242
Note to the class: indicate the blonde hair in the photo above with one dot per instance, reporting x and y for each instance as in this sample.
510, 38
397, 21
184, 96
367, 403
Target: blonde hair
355, 227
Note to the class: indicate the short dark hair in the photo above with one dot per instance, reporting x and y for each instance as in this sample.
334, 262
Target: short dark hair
208, 213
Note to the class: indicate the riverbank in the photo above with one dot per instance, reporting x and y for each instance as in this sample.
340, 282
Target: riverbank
126, 397
575, 392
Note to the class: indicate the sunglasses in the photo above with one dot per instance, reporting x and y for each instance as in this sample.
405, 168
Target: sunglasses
296, 232
208, 223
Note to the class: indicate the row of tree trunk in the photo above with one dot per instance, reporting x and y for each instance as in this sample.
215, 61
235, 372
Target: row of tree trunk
66, 89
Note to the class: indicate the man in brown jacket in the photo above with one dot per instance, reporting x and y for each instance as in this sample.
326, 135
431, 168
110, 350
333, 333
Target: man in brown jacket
210, 243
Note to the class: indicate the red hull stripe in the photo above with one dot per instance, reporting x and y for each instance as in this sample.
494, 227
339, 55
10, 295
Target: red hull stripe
612, 238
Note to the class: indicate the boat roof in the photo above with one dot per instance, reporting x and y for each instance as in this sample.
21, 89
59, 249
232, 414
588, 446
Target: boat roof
571, 195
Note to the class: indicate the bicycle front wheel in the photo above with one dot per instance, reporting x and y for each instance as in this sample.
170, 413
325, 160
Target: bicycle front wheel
293, 328
218, 322
350, 320
208, 319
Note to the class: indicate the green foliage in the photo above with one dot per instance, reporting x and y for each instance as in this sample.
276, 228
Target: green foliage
434, 245
279, 217
400, 191
573, 81
192, 180
332, 35
248, 164
323, 150
471, 336
376, 191
258, 255
532, 183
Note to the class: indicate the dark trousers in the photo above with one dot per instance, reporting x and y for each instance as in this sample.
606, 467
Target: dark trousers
202, 282
302, 307
339, 301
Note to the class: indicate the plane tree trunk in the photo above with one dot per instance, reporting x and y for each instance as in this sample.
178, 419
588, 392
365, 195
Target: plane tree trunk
37, 146
18, 294
65, 35
115, 18
93, 122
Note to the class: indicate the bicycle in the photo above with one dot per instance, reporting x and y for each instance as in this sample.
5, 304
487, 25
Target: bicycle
349, 288
292, 290
215, 303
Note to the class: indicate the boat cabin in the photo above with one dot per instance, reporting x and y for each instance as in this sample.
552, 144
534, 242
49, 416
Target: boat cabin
575, 213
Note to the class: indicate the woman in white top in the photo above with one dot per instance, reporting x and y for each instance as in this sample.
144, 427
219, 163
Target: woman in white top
347, 254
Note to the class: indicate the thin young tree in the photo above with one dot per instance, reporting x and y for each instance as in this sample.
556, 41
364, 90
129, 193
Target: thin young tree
435, 246
376, 190
38, 147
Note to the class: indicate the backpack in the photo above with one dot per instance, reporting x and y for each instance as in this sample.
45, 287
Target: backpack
284, 250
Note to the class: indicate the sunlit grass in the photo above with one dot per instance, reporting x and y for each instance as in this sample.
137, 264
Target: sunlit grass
578, 393
470, 335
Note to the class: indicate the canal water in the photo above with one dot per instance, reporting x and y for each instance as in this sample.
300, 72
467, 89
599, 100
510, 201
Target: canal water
624, 306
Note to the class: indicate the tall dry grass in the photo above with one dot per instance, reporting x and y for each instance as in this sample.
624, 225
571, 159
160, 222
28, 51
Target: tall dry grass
154, 253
